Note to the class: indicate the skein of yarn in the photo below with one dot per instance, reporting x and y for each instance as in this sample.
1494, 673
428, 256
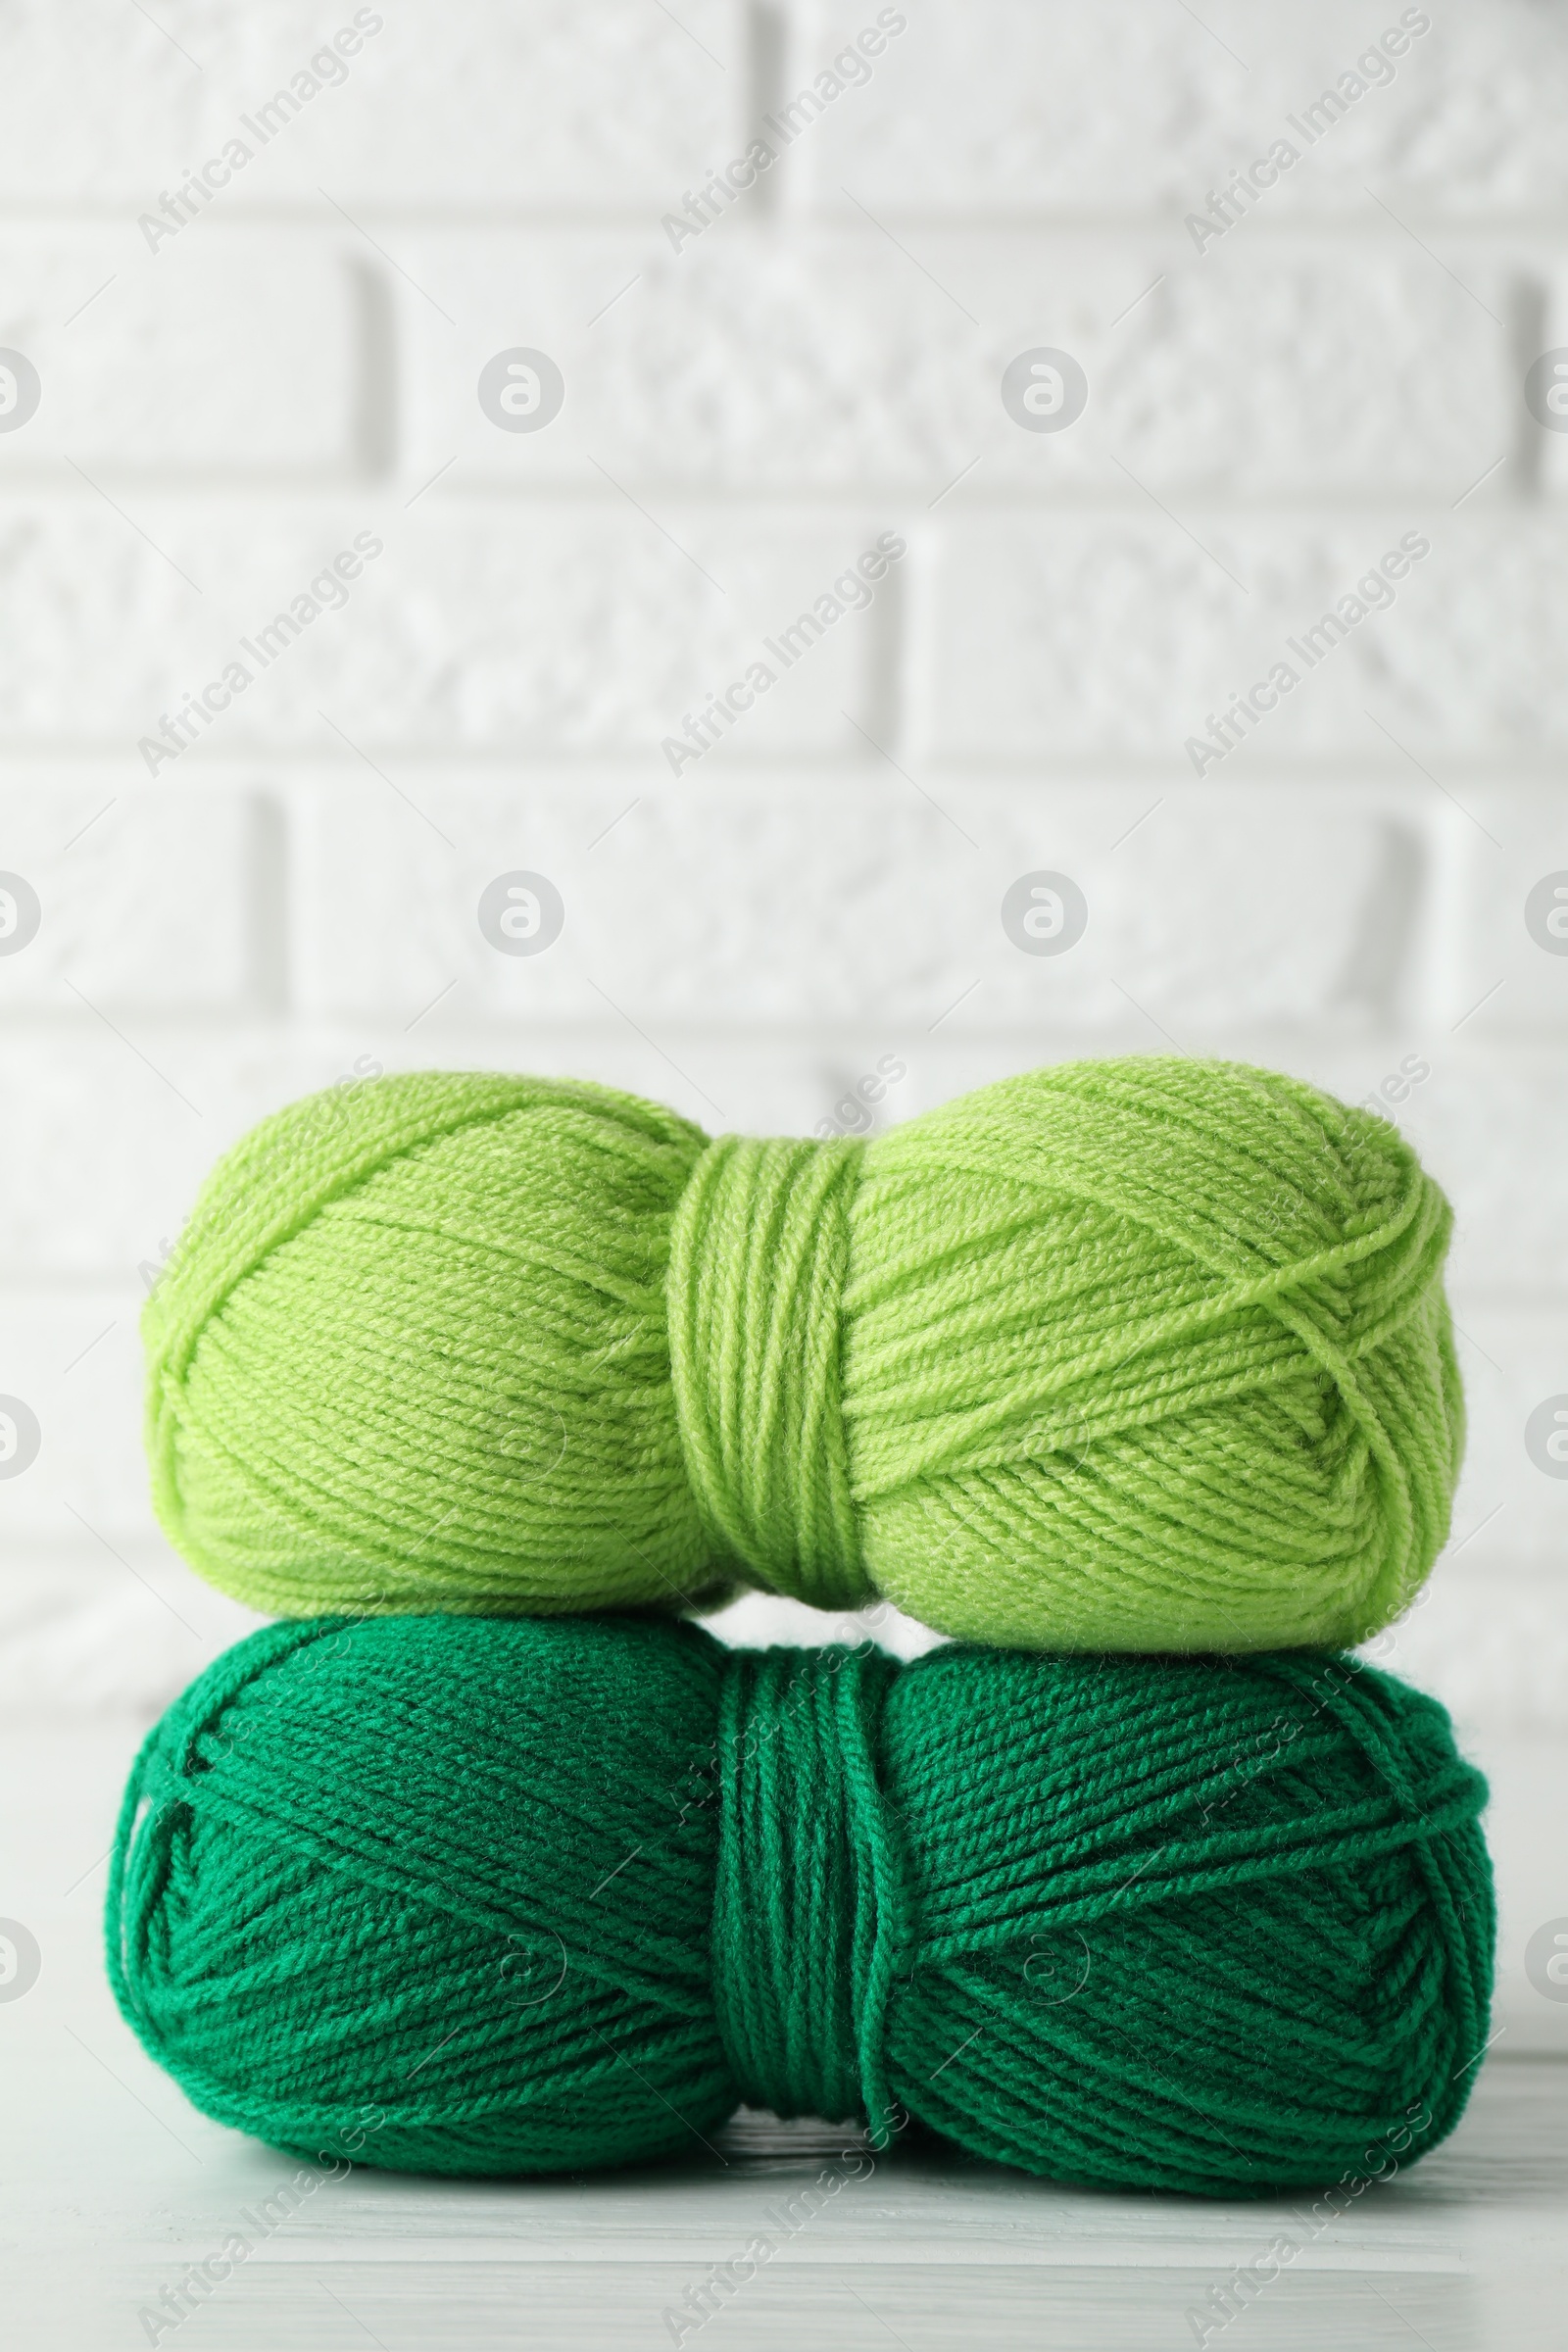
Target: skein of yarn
471, 1896
1144, 1354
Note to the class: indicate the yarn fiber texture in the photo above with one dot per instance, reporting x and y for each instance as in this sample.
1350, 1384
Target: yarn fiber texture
517, 1895
1144, 1354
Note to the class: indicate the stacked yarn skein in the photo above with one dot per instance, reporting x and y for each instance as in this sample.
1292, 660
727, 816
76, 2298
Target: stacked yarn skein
1142, 1354
522, 1895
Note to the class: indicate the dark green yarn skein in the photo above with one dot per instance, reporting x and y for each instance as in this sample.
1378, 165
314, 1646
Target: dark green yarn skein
521, 1896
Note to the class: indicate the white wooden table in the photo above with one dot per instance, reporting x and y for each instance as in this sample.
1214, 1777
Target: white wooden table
113, 2184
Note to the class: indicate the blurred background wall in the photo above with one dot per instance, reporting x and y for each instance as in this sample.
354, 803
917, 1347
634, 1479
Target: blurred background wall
223, 372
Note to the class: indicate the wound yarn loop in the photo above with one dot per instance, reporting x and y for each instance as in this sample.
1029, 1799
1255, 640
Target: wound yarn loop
758, 1258
512, 1895
1144, 1354
812, 1912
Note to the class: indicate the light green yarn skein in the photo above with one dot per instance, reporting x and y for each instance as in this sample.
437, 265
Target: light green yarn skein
1141, 1354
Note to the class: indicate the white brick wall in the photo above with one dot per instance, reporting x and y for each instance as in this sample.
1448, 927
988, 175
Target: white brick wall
225, 409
